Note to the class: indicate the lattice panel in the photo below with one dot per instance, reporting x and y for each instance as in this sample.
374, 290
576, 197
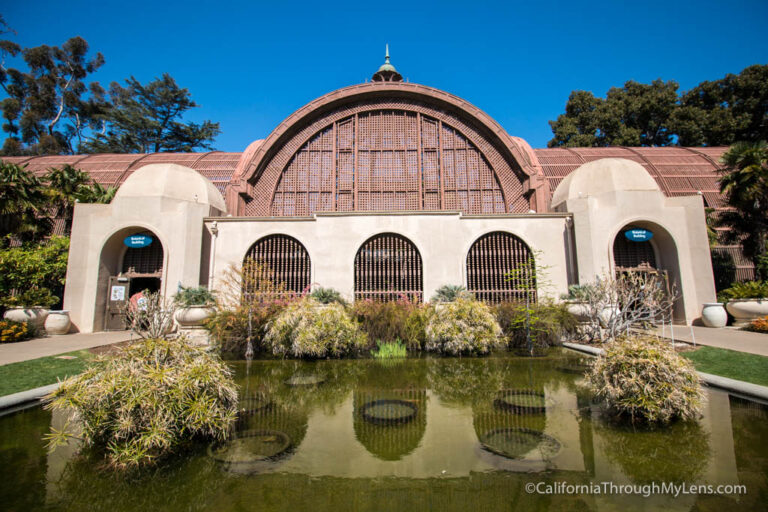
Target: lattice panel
281, 259
489, 263
144, 261
388, 267
388, 160
629, 255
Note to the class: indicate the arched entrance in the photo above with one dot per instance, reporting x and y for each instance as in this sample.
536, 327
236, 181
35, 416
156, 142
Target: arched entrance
646, 247
132, 260
500, 267
280, 259
388, 267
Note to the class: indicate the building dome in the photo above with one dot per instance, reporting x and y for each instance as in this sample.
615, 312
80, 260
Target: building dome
604, 176
171, 181
387, 72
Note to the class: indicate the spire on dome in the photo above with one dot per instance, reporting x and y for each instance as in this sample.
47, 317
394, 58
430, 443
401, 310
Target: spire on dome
387, 72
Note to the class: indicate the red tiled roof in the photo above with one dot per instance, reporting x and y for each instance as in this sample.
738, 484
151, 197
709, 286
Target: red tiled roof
678, 171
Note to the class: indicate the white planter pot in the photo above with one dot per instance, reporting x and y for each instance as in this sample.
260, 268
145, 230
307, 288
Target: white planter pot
607, 314
193, 317
746, 310
713, 314
579, 309
34, 316
58, 322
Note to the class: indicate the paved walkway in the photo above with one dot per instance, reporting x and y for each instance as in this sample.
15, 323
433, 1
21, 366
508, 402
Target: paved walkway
727, 337
53, 345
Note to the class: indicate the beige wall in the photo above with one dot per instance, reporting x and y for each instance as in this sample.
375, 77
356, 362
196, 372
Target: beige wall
443, 239
628, 195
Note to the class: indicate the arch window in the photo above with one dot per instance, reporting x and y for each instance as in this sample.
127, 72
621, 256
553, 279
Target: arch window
388, 267
277, 263
500, 267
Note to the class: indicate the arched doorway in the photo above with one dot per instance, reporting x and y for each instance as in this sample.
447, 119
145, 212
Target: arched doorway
132, 261
646, 247
388, 267
501, 267
279, 261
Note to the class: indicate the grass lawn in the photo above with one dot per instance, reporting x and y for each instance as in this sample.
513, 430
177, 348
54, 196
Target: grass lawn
34, 373
729, 363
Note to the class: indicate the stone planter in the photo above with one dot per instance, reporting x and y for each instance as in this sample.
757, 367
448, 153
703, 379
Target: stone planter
193, 317
746, 310
58, 322
34, 316
713, 314
578, 309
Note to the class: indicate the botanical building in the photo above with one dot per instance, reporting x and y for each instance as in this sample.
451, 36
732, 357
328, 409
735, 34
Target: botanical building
390, 189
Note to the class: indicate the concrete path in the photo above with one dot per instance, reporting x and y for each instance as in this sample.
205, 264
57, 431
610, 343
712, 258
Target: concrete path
727, 337
53, 345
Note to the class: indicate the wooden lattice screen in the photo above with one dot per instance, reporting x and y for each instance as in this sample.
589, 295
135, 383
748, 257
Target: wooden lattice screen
628, 255
282, 259
489, 263
388, 267
144, 261
388, 160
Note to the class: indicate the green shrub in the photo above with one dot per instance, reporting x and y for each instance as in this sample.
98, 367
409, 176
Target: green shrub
390, 350
450, 292
148, 400
392, 321
746, 290
462, 327
229, 327
29, 298
11, 332
547, 323
197, 296
327, 296
308, 329
643, 379
31, 267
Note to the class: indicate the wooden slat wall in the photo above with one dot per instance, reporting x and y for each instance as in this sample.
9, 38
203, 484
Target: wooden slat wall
388, 267
491, 258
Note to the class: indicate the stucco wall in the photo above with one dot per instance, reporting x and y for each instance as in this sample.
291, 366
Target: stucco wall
442, 238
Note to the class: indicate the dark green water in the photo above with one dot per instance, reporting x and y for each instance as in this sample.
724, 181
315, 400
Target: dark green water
426, 453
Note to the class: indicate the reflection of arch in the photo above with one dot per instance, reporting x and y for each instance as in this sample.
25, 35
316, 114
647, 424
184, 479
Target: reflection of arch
116, 259
285, 258
491, 258
390, 442
657, 254
388, 267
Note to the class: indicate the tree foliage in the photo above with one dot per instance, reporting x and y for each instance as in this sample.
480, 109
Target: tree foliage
50, 106
734, 108
744, 182
147, 119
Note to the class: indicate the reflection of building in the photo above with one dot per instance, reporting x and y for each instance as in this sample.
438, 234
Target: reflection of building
391, 188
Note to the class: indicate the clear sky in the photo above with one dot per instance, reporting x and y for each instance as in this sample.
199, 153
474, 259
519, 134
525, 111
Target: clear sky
251, 64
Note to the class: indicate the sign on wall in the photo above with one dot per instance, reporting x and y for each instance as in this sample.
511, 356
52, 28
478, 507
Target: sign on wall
638, 235
137, 241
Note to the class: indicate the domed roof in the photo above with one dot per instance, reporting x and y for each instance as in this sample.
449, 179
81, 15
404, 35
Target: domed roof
387, 72
603, 176
171, 181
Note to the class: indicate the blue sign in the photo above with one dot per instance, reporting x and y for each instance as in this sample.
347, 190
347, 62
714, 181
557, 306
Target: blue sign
638, 235
137, 241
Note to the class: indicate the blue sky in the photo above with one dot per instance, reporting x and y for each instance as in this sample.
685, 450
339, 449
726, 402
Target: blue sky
251, 64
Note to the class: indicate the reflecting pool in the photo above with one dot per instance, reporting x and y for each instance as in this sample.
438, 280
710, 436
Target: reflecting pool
417, 434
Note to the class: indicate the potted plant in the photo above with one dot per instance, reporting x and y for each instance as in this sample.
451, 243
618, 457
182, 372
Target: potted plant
746, 301
577, 302
29, 306
194, 306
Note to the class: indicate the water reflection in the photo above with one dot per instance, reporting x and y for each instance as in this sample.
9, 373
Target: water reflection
312, 449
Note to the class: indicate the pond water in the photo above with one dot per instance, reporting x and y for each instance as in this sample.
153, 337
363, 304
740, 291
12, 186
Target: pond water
418, 434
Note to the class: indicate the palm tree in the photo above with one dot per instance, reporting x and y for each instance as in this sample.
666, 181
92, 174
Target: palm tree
23, 205
744, 182
65, 187
96, 193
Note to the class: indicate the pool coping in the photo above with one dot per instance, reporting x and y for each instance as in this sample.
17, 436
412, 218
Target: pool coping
737, 387
23, 397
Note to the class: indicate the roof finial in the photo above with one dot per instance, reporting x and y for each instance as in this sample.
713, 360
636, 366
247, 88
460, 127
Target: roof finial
387, 72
